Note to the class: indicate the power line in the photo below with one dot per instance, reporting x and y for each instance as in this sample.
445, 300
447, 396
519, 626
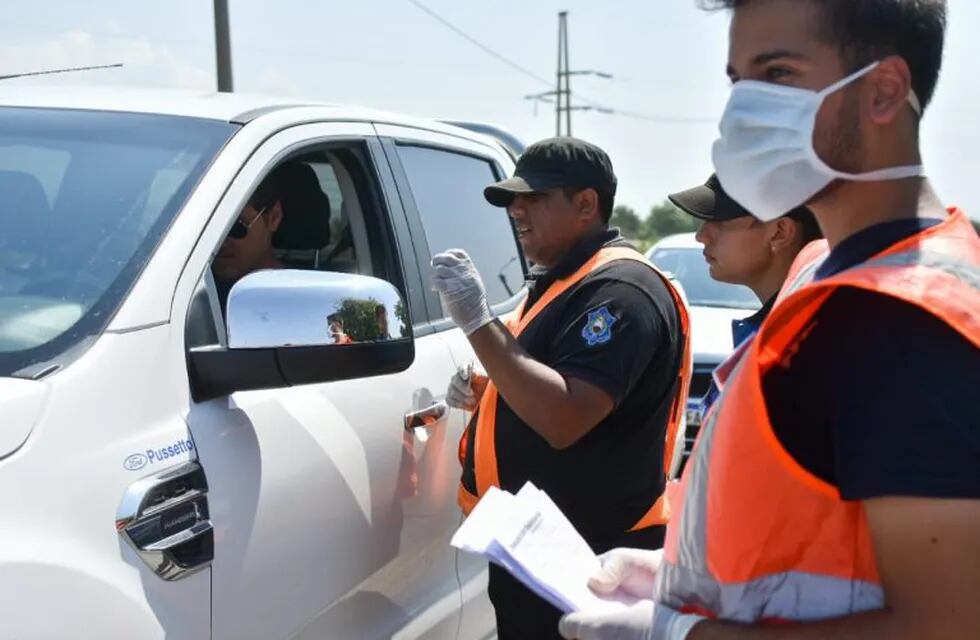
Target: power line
592, 104
666, 119
507, 61
46, 72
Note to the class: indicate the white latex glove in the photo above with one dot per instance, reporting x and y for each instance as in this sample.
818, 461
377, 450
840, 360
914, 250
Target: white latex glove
459, 285
644, 620
635, 623
465, 389
631, 572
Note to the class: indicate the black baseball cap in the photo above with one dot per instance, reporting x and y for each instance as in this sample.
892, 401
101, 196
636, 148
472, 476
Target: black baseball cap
554, 163
710, 203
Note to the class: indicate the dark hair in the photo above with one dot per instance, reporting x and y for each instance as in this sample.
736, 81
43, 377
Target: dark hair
606, 201
267, 193
807, 224
869, 30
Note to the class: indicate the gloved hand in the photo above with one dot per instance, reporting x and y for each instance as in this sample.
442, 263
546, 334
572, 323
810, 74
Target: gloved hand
644, 620
458, 283
631, 572
634, 623
466, 389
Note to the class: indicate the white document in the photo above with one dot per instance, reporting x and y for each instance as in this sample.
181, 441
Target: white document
532, 539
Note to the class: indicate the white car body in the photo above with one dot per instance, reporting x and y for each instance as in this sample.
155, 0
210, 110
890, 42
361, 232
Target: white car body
329, 520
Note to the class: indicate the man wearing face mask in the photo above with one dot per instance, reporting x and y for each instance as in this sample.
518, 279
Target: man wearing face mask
834, 485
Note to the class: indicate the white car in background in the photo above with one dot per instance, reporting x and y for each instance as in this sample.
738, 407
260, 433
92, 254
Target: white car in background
713, 307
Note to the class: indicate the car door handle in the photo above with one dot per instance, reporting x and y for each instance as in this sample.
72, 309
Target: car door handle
166, 520
196, 531
426, 417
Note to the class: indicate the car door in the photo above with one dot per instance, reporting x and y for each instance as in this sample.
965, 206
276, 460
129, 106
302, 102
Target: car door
331, 518
443, 177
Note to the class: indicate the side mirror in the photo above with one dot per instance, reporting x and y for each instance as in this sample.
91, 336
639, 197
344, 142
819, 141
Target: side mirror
289, 327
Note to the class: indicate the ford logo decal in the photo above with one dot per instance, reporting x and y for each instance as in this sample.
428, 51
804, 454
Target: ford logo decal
135, 462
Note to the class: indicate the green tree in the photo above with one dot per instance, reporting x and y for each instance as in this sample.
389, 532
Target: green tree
401, 312
666, 220
360, 321
626, 219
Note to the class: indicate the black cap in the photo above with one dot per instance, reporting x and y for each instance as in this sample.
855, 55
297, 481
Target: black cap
553, 163
709, 202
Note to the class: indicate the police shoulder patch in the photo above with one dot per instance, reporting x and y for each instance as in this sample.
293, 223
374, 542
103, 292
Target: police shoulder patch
598, 327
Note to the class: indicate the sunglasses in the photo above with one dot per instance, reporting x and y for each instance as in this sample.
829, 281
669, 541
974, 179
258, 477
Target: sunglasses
239, 230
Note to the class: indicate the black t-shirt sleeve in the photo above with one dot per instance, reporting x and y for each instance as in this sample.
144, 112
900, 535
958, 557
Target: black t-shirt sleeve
609, 333
900, 416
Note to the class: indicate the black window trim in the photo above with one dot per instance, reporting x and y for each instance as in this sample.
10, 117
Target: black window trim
436, 321
405, 245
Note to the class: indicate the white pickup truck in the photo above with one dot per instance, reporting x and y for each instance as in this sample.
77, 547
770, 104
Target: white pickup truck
172, 468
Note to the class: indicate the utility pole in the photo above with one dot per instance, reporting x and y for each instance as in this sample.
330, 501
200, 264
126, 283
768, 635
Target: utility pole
560, 92
562, 95
222, 45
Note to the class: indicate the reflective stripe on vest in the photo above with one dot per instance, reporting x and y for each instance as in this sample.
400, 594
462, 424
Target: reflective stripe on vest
484, 441
756, 536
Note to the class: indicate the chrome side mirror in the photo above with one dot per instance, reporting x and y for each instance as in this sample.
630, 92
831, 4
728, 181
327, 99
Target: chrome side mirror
292, 308
288, 327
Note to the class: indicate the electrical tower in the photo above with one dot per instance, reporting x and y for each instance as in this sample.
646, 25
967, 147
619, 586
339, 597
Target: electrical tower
562, 95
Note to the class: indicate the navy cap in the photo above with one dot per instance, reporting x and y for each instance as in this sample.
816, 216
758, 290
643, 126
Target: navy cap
554, 163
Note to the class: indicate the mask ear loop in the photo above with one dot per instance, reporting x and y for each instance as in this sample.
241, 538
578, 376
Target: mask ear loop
888, 173
912, 98
915, 102
843, 82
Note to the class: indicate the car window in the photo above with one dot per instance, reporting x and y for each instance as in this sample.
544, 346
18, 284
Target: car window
689, 266
294, 218
85, 196
311, 202
448, 192
326, 175
326, 215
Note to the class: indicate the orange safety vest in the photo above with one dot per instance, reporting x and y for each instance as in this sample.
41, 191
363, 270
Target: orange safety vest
485, 453
757, 537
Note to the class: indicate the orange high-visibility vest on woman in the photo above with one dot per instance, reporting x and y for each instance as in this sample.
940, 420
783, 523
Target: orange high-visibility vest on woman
757, 537
484, 439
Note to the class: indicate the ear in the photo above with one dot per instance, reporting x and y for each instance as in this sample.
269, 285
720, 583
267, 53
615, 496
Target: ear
782, 235
273, 217
892, 83
587, 204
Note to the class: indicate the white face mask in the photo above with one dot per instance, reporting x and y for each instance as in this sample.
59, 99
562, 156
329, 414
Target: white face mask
765, 158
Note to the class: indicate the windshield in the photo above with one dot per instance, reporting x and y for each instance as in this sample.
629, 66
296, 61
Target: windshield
689, 266
84, 198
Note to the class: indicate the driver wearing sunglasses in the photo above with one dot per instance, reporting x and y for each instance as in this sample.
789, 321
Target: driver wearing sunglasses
248, 247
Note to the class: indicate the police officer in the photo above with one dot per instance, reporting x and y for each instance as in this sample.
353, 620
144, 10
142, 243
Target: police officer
745, 251
586, 380
833, 492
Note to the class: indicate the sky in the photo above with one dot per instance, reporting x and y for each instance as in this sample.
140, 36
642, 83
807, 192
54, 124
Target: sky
667, 59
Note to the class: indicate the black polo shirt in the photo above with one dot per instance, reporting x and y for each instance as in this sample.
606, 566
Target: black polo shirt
619, 330
879, 399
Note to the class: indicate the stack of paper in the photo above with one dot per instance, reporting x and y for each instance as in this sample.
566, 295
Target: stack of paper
530, 537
